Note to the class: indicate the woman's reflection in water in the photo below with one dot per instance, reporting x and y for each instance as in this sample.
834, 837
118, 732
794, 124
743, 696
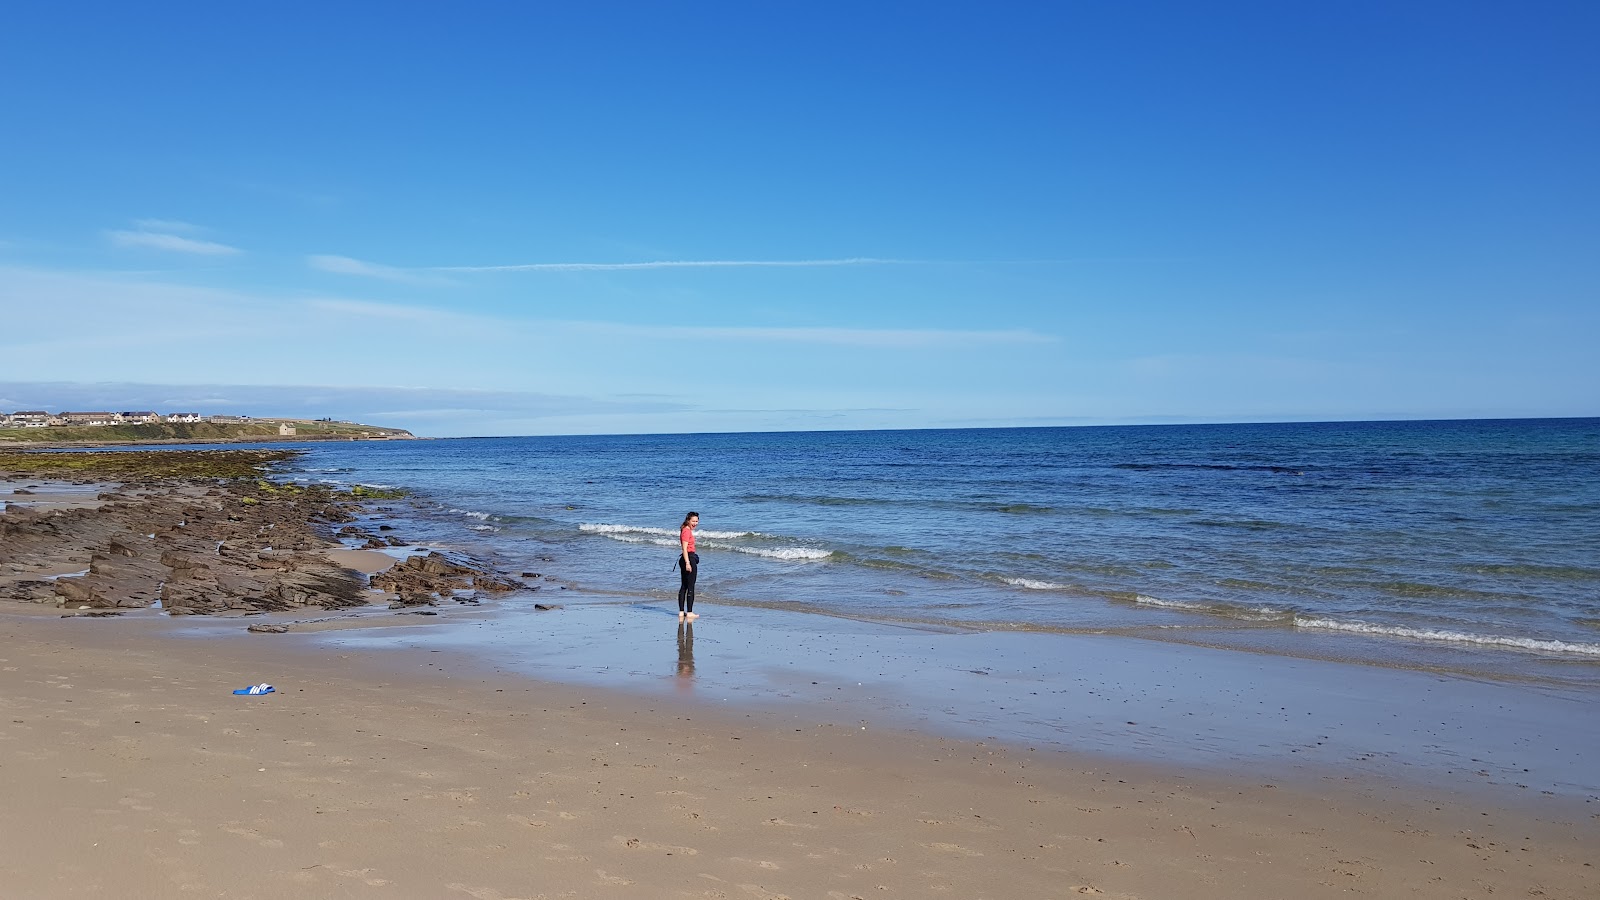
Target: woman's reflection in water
685, 654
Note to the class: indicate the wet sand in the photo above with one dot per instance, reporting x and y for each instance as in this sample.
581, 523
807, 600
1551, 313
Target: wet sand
1119, 697
421, 772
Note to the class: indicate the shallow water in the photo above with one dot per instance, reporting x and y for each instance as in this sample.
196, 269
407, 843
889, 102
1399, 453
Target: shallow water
1469, 546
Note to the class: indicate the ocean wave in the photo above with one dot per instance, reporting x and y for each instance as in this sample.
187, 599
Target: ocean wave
1230, 610
1533, 570
1214, 467
1034, 585
474, 514
609, 530
1454, 637
790, 553
1023, 509
709, 540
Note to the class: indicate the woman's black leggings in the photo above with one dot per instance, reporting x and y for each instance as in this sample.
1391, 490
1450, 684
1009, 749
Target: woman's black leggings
686, 582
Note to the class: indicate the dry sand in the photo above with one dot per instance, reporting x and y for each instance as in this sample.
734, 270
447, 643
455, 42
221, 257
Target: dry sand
131, 771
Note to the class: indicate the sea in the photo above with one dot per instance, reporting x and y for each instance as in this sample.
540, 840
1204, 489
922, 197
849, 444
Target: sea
1470, 547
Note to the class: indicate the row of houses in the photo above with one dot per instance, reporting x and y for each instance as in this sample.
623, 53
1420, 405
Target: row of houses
38, 418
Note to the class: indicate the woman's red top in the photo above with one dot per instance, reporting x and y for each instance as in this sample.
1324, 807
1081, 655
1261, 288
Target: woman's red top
687, 536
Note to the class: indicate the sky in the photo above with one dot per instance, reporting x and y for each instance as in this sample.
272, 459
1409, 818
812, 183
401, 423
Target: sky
512, 218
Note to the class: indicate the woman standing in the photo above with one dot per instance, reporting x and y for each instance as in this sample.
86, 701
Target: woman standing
688, 566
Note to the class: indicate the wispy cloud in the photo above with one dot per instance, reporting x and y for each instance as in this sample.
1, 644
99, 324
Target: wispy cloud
344, 265
903, 338
170, 226
883, 338
155, 239
679, 264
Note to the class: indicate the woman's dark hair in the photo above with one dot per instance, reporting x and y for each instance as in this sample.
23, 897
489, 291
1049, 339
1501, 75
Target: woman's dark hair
686, 517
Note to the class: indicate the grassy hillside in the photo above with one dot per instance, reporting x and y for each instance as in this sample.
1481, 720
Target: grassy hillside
197, 431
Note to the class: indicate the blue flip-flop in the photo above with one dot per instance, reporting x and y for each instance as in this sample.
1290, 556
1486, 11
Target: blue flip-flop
257, 689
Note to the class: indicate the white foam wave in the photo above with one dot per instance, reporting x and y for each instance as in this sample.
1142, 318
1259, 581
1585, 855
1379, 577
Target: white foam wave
483, 528
786, 552
605, 529
1455, 637
1034, 585
473, 514
1254, 613
602, 528
1144, 600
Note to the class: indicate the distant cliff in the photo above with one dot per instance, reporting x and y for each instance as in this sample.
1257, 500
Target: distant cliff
180, 432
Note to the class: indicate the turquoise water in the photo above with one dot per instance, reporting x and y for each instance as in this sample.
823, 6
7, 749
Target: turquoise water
1464, 545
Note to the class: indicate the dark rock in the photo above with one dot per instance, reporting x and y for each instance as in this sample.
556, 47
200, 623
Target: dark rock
31, 591
546, 607
484, 581
73, 593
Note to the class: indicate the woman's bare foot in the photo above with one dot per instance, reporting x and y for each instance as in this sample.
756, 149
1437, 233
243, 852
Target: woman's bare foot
681, 615
691, 615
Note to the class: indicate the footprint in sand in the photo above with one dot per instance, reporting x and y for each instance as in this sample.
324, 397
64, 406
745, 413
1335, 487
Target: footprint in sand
524, 820
610, 879
761, 863
365, 876
637, 844
953, 848
787, 824
756, 890
483, 893
252, 834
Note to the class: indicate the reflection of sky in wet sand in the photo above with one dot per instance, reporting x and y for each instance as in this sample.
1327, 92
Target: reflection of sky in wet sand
1108, 694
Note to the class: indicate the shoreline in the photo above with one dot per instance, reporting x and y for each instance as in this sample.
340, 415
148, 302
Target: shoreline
521, 787
1111, 696
979, 763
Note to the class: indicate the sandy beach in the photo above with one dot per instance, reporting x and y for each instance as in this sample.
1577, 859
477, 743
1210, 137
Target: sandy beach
493, 752
135, 772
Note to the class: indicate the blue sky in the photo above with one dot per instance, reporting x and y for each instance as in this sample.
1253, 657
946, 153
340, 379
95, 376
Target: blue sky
722, 217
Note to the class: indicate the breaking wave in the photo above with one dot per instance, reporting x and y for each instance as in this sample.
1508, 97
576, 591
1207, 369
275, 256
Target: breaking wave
1230, 610
1454, 637
1034, 584
610, 530
709, 540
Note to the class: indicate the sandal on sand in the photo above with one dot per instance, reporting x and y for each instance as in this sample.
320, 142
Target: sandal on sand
256, 689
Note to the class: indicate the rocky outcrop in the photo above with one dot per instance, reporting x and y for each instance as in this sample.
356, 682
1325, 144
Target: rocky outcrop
202, 547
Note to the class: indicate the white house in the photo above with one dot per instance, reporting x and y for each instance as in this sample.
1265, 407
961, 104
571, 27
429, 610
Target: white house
139, 418
183, 417
33, 418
